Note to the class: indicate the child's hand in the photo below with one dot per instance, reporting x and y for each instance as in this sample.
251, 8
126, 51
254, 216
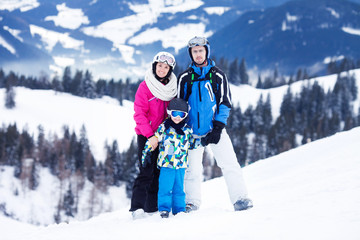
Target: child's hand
154, 141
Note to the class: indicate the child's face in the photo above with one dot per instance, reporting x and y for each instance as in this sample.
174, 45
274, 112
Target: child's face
176, 119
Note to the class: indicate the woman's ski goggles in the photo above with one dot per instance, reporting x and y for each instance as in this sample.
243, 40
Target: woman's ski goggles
198, 41
177, 113
166, 58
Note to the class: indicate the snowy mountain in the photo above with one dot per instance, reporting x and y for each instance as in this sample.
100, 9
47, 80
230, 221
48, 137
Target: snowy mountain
298, 34
117, 39
112, 38
311, 192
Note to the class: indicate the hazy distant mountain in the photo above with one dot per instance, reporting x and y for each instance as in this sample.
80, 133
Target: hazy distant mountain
111, 38
296, 34
119, 38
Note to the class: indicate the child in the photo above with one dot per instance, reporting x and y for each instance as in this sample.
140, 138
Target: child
175, 139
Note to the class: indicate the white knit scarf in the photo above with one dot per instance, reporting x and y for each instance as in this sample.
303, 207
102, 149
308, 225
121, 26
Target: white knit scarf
159, 90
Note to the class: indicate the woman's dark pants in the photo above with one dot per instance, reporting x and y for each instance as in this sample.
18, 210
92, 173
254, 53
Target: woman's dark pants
146, 185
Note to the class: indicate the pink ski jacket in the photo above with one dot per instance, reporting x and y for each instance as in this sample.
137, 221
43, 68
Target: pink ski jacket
150, 111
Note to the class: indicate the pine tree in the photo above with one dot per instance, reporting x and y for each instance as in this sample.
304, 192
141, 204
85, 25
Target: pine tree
257, 151
345, 65
12, 149
291, 80
223, 64
101, 88
268, 83
259, 124
56, 85
235, 119
267, 114
237, 133
81, 150
243, 149
121, 88
67, 80
10, 98
34, 177
299, 75
76, 82
332, 67
286, 123
2, 146
113, 165
353, 87
10, 91
306, 75
259, 84
272, 148
71, 156
317, 114
234, 73
276, 76
44, 148
69, 202
2, 78
287, 108
130, 165
248, 121
87, 86
244, 77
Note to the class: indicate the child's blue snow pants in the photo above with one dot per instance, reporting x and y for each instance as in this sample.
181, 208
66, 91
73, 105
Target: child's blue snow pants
171, 193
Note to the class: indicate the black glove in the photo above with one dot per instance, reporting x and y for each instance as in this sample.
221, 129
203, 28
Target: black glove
214, 135
147, 159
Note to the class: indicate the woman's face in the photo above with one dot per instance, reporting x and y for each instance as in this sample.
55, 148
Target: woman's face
162, 69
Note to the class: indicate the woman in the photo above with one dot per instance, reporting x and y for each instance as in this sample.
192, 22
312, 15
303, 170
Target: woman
151, 101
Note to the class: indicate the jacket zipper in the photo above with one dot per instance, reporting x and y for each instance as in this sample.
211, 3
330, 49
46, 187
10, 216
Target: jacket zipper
198, 119
198, 114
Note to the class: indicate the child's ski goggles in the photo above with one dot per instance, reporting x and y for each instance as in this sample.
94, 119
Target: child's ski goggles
177, 113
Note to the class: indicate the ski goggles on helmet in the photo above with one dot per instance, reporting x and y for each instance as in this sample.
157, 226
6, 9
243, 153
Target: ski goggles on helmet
177, 113
198, 41
166, 59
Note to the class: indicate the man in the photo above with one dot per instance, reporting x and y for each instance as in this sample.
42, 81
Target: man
206, 89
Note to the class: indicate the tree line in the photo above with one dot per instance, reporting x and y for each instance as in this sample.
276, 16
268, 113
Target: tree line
309, 115
82, 83
70, 160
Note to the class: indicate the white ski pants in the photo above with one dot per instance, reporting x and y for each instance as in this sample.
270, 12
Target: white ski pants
226, 159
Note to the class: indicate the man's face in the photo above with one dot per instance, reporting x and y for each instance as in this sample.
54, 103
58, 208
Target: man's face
199, 54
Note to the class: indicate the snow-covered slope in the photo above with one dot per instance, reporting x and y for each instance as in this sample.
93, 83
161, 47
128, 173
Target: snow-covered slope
311, 192
104, 119
246, 95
